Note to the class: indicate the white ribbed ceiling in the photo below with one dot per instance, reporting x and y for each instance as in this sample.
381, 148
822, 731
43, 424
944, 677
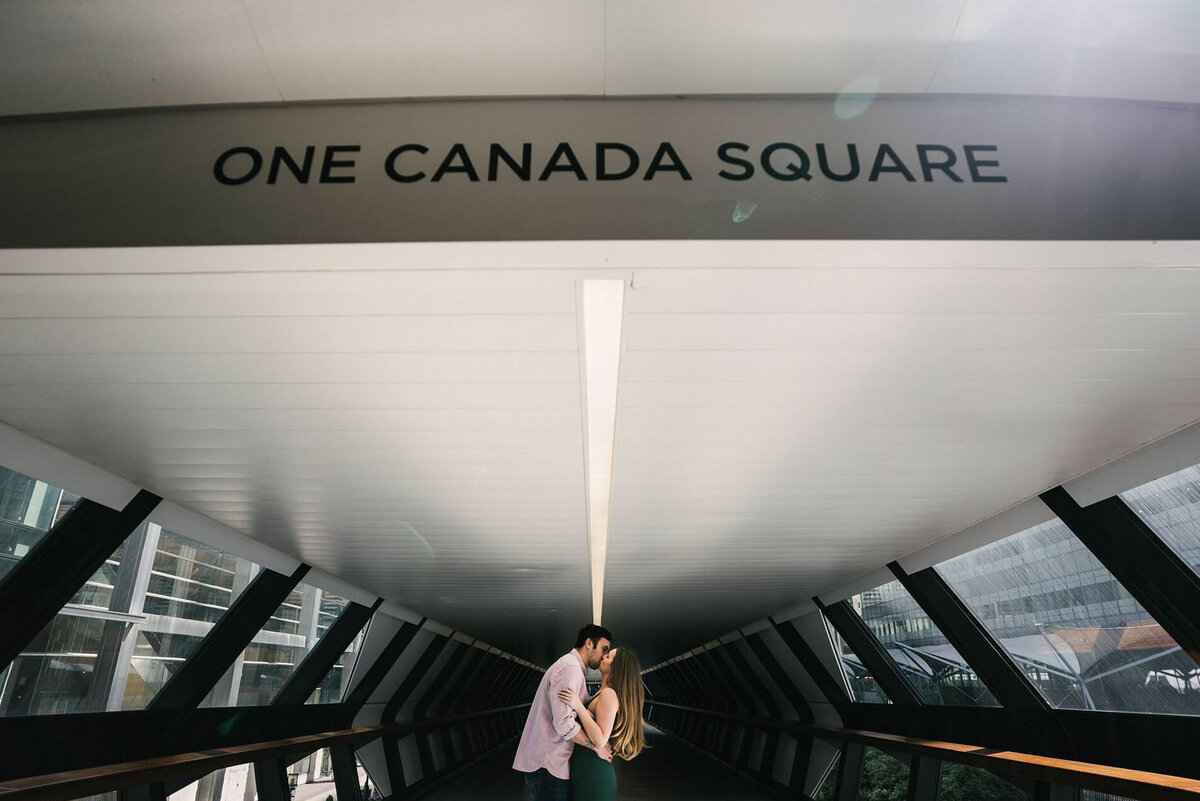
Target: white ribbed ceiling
791, 415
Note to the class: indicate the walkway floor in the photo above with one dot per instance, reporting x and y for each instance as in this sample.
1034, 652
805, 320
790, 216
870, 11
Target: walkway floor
669, 771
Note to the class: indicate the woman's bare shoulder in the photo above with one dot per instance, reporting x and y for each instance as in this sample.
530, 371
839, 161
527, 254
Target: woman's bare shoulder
607, 695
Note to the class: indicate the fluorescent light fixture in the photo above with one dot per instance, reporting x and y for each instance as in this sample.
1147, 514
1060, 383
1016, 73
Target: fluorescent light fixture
603, 303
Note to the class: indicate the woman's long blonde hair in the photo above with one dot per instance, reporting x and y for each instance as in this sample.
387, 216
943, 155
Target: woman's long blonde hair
625, 677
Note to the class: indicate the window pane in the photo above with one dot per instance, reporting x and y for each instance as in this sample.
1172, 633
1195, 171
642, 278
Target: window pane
828, 784
311, 779
1075, 631
1171, 507
56, 673
884, 777
859, 681
234, 783
286, 638
189, 586
69, 666
918, 647
28, 509
965, 783
333, 686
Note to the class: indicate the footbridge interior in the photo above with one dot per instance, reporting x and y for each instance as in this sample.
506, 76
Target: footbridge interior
842, 360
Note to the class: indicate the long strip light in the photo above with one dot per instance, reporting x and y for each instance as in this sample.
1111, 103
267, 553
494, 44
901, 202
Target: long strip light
603, 306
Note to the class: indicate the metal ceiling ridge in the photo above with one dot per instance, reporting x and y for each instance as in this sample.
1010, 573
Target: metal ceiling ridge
663, 96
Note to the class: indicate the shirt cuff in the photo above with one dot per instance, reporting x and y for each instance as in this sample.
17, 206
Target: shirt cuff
575, 729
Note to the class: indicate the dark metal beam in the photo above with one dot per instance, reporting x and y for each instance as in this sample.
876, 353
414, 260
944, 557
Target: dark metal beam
59, 564
924, 777
228, 637
415, 674
321, 659
762, 652
834, 691
743, 667
849, 772
872, 653
345, 772
974, 643
1145, 565
270, 779
446, 679
381, 666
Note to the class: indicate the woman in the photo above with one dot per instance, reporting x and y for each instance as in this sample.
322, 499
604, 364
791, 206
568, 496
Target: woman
614, 717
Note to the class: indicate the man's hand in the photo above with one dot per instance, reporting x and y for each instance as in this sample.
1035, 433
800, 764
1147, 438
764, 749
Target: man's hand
605, 753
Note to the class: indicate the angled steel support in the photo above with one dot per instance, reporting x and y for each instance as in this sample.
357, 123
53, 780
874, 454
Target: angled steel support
270, 779
415, 674
924, 777
873, 655
762, 652
483, 674
1145, 565
971, 639
325, 654
453, 680
228, 637
834, 691
446, 679
381, 666
59, 564
849, 773
345, 772
742, 665
736, 692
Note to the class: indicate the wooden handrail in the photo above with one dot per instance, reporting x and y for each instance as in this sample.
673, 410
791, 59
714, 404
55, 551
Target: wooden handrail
102, 778
1104, 778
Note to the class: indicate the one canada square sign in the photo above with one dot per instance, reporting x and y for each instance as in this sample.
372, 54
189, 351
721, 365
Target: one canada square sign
906, 168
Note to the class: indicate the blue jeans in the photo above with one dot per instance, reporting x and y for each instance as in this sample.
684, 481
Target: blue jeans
544, 786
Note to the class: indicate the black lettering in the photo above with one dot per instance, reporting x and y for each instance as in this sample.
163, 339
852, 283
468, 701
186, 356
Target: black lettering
747, 167
458, 151
523, 170
563, 151
823, 163
896, 166
389, 165
676, 165
973, 164
794, 171
927, 166
298, 171
329, 164
602, 173
256, 162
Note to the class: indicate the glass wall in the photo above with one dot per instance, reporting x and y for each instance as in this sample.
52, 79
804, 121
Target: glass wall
1075, 631
860, 684
884, 777
292, 631
965, 783
1171, 507
234, 783
918, 647
28, 508
189, 586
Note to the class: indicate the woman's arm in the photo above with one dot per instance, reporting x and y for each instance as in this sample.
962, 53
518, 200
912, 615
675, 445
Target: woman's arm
599, 728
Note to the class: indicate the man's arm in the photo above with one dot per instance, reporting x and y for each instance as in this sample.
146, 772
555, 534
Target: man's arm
562, 716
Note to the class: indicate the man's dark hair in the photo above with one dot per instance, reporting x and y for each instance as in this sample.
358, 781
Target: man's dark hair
592, 632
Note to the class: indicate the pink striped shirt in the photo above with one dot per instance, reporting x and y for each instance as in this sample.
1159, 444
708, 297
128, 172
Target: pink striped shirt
546, 740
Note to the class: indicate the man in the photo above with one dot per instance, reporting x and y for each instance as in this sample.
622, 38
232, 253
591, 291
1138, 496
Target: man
552, 731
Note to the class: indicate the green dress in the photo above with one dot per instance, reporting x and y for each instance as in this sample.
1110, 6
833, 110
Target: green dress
592, 779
